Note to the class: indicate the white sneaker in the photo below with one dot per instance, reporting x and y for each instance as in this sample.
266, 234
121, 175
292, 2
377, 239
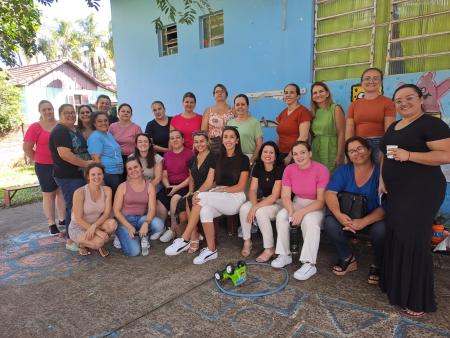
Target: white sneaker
178, 246
305, 272
145, 245
167, 236
156, 235
240, 232
117, 243
281, 261
205, 255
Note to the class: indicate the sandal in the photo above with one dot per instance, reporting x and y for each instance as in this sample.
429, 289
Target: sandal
247, 248
412, 314
345, 265
265, 256
84, 251
374, 275
103, 252
193, 247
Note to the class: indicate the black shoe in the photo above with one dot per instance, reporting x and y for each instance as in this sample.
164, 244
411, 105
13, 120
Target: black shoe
54, 229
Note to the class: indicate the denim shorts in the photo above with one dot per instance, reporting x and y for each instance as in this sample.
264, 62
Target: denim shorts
44, 173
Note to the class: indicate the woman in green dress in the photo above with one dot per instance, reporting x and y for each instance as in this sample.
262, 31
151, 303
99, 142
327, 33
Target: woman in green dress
328, 127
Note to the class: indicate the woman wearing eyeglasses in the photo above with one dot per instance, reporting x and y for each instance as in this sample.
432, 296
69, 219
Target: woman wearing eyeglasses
414, 148
370, 116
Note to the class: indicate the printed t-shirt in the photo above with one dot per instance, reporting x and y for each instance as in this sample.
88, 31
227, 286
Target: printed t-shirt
305, 182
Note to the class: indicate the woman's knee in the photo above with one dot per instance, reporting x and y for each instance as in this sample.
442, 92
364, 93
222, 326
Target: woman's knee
157, 225
109, 226
282, 217
206, 214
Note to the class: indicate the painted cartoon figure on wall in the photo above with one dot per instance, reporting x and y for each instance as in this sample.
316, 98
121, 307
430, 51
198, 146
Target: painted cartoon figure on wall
433, 92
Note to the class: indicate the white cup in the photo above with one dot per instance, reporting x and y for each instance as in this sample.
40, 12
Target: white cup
388, 149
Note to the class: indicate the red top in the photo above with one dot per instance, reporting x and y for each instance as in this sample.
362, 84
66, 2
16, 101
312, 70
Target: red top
187, 126
369, 115
39, 137
288, 125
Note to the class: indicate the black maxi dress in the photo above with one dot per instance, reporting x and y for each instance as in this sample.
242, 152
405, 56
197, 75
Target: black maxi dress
415, 194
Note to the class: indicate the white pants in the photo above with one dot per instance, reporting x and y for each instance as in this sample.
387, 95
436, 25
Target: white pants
215, 204
263, 217
310, 225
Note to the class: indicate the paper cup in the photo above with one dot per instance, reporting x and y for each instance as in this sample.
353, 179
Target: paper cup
388, 149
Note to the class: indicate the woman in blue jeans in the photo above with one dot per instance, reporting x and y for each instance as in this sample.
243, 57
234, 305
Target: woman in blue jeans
135, 209
359, 176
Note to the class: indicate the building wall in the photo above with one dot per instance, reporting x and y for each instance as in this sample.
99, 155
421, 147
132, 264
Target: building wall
71, 79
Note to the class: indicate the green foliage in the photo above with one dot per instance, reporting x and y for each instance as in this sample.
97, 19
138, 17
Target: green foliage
19, 22
187, 16
10, 96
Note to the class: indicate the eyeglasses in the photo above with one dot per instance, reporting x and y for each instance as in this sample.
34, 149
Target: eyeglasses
407, 99
359, 149
371, 78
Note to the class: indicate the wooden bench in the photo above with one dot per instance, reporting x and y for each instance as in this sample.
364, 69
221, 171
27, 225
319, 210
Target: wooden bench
10, 192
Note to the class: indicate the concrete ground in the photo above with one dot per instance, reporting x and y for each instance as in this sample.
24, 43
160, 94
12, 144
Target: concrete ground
47, 291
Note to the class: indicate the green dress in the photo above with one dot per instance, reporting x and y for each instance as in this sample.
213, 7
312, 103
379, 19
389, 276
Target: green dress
325, 139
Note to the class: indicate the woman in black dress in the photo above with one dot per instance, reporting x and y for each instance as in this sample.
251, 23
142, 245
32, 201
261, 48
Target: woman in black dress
414, 148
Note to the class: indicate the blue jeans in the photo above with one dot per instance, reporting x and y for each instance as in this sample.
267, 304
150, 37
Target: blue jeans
113, 181
339, 237
68, 187
132, 247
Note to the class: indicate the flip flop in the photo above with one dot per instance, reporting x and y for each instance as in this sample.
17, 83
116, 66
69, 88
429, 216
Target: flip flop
103, 252
84, 251
265, 256
412, 314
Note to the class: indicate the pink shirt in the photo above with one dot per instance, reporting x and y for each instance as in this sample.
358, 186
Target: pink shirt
125, 136
39, 136
177, 165
304, 182
187, 126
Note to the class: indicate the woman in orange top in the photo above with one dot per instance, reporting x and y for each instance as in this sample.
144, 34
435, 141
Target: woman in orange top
293, 122
370, 116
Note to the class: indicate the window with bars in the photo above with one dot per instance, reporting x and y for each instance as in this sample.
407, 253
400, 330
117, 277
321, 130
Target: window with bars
400, 36
168, 40
212, 28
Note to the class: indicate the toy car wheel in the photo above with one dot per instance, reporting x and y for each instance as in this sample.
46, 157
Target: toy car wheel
240, 264
218, 275
229, 269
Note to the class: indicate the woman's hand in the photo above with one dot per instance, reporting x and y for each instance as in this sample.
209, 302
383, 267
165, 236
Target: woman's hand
188, 194
90, 232
297, 217
399, 154
251, 214
131, 231
344, 219
144, 229
195, 198
220, 188
173, 190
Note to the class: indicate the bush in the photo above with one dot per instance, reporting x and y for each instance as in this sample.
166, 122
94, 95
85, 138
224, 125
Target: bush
10, 97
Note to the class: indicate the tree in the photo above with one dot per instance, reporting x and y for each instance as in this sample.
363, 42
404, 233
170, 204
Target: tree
187, 16
91, 40
10, 97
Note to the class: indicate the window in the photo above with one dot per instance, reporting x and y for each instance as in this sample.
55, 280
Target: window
212, 27
399, 36
168, 40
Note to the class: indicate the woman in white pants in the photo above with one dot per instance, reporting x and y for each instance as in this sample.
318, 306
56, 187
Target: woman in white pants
226, 198
307, 179
266, 177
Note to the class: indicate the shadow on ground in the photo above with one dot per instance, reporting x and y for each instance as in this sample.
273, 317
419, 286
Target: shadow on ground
46, 291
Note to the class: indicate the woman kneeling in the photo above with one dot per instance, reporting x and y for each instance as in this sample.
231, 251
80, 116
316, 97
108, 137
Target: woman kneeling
90, 225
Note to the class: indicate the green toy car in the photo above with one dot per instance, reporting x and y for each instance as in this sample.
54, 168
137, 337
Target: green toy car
236, 272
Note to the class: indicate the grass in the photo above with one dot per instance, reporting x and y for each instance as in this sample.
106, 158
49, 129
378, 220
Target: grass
19, 176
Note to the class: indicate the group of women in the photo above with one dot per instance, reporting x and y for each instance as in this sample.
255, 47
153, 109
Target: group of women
200, 167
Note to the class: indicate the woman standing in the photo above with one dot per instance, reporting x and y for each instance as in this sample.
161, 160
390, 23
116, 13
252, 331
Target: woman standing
328, 127
201, 178
266, 177
372, 115
307, 179
125, 131
250, 131
35, 146
226, 198
91, 226
415, 187
175, 179
158, 128
216, 117
103, 105
293, 122
69, 153
84, 121
135, 209
188, 121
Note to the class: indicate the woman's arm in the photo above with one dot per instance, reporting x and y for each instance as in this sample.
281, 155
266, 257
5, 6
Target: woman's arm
339, 119
191, 183
209, 182
158, 171
205, 120
253, 191
439, 154
388, 120
360, 223
28, 149
151, 210
273, 197
318, 204
165, 179
259, 142
117, 206
240, 186
108, 206
78, 209
349, 128
332, 203
67, 155
303, 131
286, 199
179, 186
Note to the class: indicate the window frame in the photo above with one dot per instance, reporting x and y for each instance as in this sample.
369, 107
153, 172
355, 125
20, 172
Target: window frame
203, 39
164, 41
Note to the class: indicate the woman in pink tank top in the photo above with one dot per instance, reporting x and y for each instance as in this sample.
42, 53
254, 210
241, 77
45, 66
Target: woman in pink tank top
90, 225
135, 209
